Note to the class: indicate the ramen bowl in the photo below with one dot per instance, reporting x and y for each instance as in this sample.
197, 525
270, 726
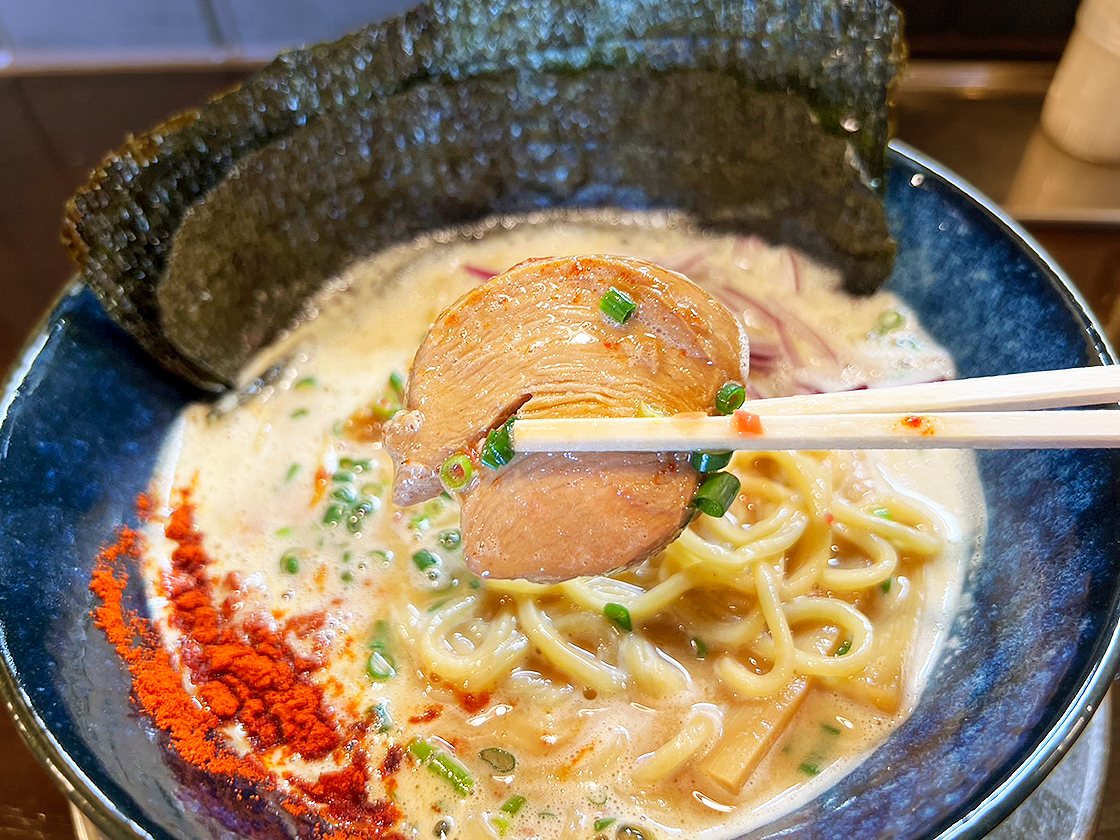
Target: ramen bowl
1029, 656
205, 236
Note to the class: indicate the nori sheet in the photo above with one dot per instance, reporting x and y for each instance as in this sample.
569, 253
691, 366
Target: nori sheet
205, 236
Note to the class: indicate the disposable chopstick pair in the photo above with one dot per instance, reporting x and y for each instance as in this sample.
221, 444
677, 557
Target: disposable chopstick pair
926, 416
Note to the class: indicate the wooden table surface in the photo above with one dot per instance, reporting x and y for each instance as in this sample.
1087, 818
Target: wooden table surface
55, 128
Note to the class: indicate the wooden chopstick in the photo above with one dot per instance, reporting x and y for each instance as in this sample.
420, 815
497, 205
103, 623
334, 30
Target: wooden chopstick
1023, 391
1096, 428
935, 415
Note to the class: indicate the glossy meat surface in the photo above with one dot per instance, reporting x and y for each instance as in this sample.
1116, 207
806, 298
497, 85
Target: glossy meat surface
534, 340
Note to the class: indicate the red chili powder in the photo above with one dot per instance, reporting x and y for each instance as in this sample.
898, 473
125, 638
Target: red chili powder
247, 672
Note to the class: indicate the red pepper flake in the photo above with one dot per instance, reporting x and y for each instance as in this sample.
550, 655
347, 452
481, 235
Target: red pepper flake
392, 762
917, 423
829, 518
747, 424
144, 507
473, 703
322, 479
428, 715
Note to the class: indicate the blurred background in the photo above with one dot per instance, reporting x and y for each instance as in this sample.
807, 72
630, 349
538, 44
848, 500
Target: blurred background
79, 33
76, 76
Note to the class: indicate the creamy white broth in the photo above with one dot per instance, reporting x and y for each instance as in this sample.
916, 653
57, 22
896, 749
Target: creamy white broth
260, 507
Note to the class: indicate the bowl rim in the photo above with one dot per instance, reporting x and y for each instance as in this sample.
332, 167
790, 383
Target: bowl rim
1013, 790
1009, 792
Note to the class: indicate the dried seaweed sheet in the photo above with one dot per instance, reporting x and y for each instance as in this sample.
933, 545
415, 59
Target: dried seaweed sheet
205, 236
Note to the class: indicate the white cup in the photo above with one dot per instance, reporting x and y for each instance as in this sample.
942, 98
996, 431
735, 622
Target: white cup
1082, 109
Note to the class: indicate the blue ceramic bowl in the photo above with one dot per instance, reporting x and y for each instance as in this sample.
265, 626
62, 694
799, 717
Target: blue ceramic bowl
1035, 644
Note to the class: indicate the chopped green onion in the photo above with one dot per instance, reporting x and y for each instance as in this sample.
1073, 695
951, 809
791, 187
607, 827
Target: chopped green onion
290, 562
382, 554
456, 472
307, 382
501, 760
291, 473
497, 451
381, 712
344, 493
286, 531
649, 410
844, 648
830, 729
617, 305
890, 319
619, 615
300, 412
384, 409
885, 586
420, 522
546, 815
347, 576
343, 477
604, 822
502, 822
451, 538
716, 494
699, 647
396, 382
443, 765
809, 769
379, 667
357, 514
882, 513
424, 559
706, 462
730, 397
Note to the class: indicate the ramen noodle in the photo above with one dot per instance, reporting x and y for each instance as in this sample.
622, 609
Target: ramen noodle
708, 689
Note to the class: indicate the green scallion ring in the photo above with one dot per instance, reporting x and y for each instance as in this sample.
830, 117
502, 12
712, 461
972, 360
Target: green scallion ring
617, 305
707, 462
290, 562
501, 760
397, 383
497, 451
619, 615
730, 397
424, 559
378, 667
716, 494
456, 472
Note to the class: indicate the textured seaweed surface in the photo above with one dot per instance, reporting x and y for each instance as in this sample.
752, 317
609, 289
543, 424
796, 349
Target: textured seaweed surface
204, 236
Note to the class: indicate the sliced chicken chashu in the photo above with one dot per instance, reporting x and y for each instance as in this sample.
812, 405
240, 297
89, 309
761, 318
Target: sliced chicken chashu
535, 341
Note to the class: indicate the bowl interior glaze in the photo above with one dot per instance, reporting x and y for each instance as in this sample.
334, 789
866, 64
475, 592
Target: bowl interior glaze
1030, 655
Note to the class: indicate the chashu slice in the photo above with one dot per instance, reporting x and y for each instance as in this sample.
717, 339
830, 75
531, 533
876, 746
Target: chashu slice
534, 341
